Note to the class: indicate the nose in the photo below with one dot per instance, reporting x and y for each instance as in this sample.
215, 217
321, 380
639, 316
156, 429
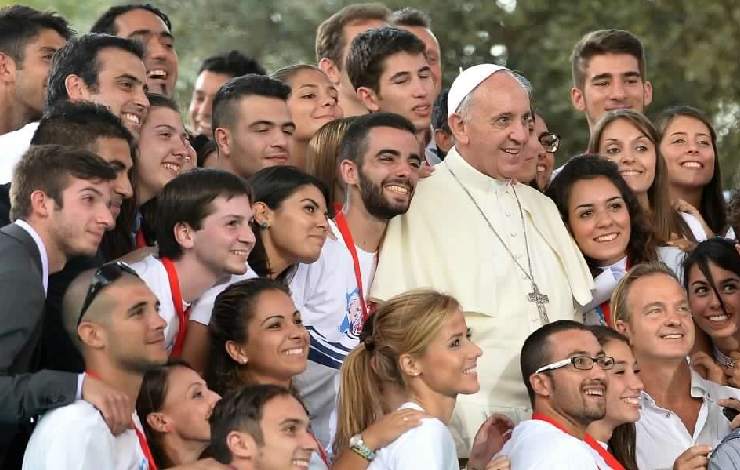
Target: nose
280, 138
247, 235
714, 302
156, 321
155, 49
142, 101
308, 442
520, 131
423, 87
635, 383
181, 147
693, 148
123, 186
617, 90
603, 218
475, 350
105, 217
597, 373
213, 397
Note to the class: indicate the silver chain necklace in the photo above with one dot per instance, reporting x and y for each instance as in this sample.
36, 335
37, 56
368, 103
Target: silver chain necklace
536, 296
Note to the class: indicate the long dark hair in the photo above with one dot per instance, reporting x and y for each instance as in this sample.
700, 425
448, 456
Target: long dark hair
232, 311
641, 246
712, 205
151, 398
622, 444
666, 221
272, 186
718, 251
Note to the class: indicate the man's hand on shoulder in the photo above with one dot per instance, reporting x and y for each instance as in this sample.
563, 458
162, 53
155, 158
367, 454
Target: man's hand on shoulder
115, 406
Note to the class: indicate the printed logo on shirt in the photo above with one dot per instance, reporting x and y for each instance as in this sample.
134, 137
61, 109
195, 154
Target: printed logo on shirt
352, 323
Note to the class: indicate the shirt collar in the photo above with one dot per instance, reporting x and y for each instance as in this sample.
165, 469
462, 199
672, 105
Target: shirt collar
42, 250
699, 389
470, 176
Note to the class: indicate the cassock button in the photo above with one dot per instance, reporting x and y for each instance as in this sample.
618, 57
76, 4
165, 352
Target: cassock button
513, 234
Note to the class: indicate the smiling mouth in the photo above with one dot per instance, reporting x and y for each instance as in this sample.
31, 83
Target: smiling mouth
242, 253
301, 462
471, 370
594, 391
157, 74
606, 237
398, 189
541, 168
672, 336
173, 168
630, 173
633, 401
132, 118
722, 317
692, 165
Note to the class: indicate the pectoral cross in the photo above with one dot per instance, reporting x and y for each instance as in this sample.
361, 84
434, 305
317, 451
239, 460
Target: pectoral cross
540, 299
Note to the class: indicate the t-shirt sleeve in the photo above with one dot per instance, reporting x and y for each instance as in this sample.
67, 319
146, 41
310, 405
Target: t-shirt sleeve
430, 446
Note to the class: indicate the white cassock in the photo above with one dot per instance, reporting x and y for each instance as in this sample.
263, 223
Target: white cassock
443, 242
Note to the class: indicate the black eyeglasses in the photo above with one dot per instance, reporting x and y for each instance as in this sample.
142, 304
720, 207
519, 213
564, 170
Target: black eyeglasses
550, 140
104, 276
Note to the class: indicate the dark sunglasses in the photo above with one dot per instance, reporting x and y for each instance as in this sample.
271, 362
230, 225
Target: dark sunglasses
551, 141
104, 276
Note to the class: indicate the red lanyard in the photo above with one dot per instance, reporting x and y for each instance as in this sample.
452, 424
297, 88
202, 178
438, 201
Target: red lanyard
140, 240
182, 313
322, 452
605, 454
341, 222
143, 443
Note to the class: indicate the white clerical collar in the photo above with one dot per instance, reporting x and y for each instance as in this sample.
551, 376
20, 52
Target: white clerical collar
42, 250
472, 177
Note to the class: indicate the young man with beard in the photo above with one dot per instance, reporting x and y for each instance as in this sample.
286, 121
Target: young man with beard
112, 316
563, 368
681, 417
380, 163
252, 126
28, 40
203, 234
151, 27
213, 73
390, 72
95, 67
60, 200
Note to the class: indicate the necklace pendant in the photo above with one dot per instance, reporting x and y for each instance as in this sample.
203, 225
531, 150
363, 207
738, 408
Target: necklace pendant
540, 300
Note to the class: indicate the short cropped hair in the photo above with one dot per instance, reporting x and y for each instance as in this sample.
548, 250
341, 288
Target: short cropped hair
106, 23
536, 349
80, 57
241, 410
367, 54
232, 63
330, 40
80, 124
439, 112
354, 143
187, 199
618, 303
604, 41
20, 24
410, 17
49, 168
230, 94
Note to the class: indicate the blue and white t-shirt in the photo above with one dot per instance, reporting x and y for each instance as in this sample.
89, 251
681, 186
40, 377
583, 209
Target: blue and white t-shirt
327, 296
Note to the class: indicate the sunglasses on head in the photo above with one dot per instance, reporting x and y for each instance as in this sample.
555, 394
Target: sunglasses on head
104, 276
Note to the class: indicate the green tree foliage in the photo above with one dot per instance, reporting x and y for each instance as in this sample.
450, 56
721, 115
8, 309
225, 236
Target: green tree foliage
691, 46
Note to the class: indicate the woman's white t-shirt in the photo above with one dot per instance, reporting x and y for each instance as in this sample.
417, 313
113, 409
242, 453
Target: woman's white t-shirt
428, 446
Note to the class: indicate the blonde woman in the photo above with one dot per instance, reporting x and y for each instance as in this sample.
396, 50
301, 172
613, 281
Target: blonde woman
416, 354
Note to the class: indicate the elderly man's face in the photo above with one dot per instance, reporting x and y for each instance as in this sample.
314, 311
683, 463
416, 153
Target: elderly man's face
495, 128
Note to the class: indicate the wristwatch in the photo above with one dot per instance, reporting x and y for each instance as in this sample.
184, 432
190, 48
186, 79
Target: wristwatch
357, 445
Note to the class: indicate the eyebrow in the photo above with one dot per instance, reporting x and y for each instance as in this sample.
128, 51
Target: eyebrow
280, 316
292, 421
91, 188
309, 85
49, 49
149, 32
591, 204
582, 353
137, 306
391, 151
169, 127
129, 76
309, 200
399, 75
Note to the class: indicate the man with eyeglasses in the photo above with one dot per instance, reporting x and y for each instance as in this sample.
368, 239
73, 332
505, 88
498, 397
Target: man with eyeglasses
563, 368
682, 414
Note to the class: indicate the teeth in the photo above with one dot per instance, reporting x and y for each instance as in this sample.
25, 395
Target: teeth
719, 317
695, 165
131, 117
300, 463
172, 167
158, 73
541, 168
674, 336
631, 400
512, 151
398, 189
630, 173
471, 370
240, 252
295, 351
607, 238
595, 392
